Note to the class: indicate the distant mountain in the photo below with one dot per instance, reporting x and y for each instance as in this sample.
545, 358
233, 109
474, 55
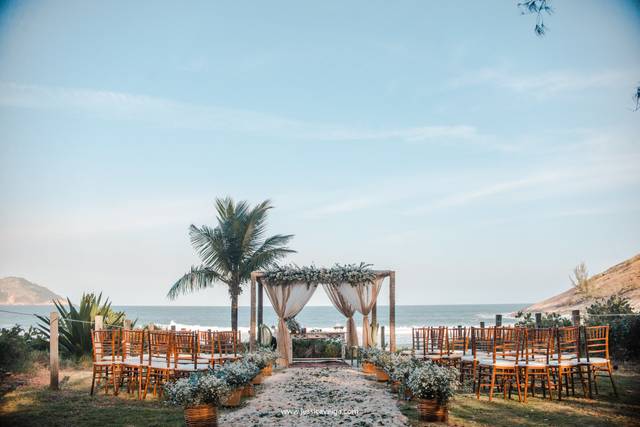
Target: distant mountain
623, 278
19, 291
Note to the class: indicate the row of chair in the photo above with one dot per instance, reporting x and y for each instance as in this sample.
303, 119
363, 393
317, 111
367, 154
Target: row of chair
504, 357
148, 358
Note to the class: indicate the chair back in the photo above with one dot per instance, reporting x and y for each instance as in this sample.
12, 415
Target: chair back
227, 342
105, 345
505, 342
457, 339
597, 341
185, 347
160, 347
567, 342
537, 344
133, 344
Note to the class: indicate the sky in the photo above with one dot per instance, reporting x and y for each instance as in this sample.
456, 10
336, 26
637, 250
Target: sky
443, 140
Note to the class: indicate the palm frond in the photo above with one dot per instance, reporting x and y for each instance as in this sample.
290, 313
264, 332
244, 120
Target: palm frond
196, 279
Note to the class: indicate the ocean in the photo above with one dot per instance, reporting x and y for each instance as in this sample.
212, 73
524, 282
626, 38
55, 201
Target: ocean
311, 317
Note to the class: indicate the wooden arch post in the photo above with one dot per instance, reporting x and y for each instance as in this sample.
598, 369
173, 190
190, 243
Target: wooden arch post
252, 324
392, 311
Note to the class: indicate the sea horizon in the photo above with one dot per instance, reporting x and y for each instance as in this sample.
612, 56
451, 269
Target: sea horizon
322, 317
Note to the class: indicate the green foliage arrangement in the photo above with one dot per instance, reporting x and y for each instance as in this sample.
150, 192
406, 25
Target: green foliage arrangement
353, 274
549, 320
75, 324
198, 389
430, 381
313, 348
624, 326
17, 347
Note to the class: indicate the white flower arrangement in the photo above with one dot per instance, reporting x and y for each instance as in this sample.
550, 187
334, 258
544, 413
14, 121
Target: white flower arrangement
353, 274
430, 381
237, 374
198, 389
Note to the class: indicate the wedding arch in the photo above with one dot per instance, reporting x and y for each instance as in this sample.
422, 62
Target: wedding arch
351, 288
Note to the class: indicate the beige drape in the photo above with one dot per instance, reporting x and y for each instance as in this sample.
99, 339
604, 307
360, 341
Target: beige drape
287, 301
362, 297
347, 310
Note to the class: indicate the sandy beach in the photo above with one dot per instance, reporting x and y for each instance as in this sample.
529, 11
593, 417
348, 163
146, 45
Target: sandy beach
318, 397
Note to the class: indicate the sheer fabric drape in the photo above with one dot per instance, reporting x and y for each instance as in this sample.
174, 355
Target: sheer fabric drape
287, 301
362, 297
347, 310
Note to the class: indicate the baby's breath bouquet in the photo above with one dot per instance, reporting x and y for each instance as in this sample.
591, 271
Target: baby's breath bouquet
198, 389
430, 381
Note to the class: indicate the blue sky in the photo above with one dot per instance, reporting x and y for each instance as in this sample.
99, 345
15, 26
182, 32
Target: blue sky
440, 139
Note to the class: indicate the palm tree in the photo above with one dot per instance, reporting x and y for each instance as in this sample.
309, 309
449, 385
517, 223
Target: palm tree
232, 250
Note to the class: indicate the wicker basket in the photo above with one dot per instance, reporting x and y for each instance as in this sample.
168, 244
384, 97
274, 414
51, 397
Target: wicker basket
368, 368
257, 379
267, 371
201, 416
381, 375
248, 391
233, 399
432, 410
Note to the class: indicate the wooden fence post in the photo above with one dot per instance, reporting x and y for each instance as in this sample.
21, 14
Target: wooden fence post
53, 350
382, 343
498, 319
538, 320
575, 317
127, 324
173, 327
481, 325
99, 323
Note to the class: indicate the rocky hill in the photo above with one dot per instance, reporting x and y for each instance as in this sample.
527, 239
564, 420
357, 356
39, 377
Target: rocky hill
19, 291
623, 278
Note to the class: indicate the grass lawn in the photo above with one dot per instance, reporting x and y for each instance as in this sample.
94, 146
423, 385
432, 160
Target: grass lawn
32, 404
604, 410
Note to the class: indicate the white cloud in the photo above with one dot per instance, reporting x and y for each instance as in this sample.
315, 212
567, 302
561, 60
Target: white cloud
169, 113
545, 83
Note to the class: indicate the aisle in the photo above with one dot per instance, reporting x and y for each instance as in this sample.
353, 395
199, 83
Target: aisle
318, 397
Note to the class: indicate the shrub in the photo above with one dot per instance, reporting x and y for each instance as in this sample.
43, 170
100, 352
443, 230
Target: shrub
75, 324
430, 381
624, 331
17, 347
549, 320
326, 347
198, 389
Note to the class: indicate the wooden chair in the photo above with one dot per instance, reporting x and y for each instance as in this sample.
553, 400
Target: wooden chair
534, 358
185, 354
207, 347
434, 343
227, 346
106, 358
565, 363
159, 366
134, 358
597, 355
455, 344
481, 340
502, 365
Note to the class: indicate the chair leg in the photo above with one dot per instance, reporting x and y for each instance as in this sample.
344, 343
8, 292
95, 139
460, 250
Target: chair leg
549, 383
595, 379
613, 385
518, 384
93, 381
479, 382
493, 383
526, 383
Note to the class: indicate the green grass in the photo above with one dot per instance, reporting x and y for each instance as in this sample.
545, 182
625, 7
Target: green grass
604, 410
34, 405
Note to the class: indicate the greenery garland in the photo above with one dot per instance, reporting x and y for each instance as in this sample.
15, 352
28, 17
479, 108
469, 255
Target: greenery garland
353, 274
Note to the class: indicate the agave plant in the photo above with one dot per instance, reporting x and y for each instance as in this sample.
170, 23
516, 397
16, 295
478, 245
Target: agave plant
75, 324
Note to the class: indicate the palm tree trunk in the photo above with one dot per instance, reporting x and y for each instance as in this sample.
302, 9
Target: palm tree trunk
234, 310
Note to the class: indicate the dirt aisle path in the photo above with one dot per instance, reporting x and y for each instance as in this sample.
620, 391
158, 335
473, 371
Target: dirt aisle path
318, 397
